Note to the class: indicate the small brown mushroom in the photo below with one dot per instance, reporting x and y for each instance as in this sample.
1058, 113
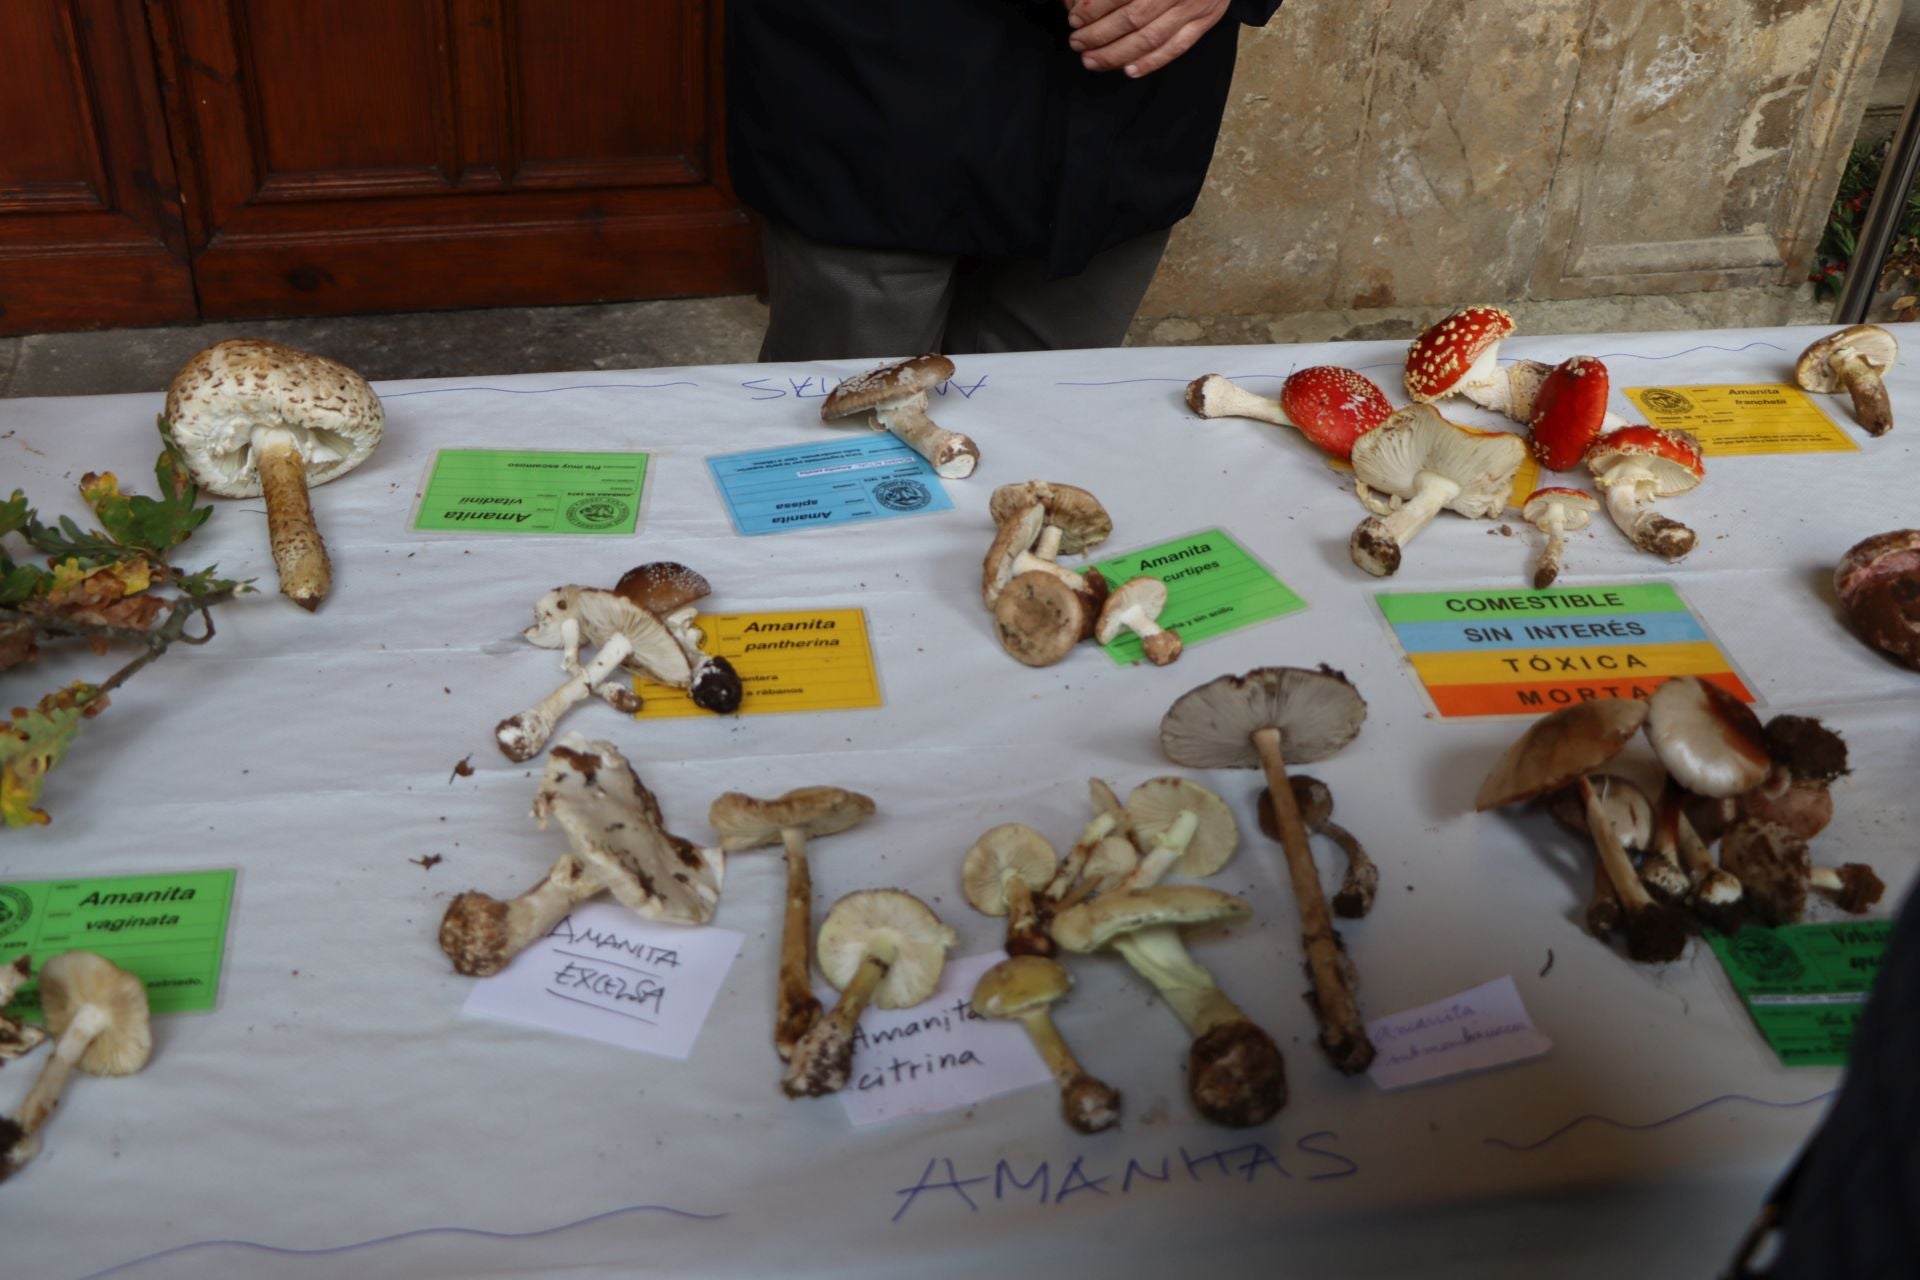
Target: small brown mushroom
1853, 360
1777, 870
893, 398
1025, 987
744, 822
1040, 619
879, 946
1315, 799
1135, 605
1001, 874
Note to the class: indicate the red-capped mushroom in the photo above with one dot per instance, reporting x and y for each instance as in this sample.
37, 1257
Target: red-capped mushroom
1554, 511
1457, 353
1333, 406
1569, 413
1635, 465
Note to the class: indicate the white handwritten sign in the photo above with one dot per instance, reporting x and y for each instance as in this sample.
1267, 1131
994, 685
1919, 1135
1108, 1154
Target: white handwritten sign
606, 974
1484, 1027
937, 1055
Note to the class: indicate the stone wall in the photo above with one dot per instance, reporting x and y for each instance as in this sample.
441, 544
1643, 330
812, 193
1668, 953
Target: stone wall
1389, 157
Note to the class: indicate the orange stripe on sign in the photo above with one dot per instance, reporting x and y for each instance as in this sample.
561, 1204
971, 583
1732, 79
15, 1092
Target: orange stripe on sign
1536, 699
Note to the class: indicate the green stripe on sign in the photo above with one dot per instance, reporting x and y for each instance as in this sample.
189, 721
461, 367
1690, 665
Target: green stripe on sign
1519, 606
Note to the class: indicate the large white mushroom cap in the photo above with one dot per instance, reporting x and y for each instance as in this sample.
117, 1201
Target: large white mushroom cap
224, 394
1416, 440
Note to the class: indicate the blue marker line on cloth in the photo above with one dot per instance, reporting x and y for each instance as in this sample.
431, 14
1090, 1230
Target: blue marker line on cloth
845, 480
398, 1236
1661, 1123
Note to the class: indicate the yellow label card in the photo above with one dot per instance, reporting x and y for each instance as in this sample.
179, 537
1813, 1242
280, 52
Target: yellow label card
1754, 418
809, 660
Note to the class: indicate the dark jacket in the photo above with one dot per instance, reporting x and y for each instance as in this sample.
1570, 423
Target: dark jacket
964, 126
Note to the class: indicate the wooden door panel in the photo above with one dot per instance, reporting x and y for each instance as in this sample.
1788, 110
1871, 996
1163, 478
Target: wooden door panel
90, 230
493, 152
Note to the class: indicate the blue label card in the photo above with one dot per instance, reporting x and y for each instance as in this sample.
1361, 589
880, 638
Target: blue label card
871, 475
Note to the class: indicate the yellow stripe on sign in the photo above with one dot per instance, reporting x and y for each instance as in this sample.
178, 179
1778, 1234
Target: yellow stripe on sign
808, 660
1514, 666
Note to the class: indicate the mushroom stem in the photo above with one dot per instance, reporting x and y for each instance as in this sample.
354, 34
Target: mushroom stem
617, 694
16, 1037
298, 553
88, 1023
953, 455
1217, 397
1508, 391
1026, 931
1853, 886
1315, 802
1168, 848
1603, 908
1554, 525
1088, 1104
823, 1057
1112, 861
1654, 932
1063, 879
1376, 543
480, 933
522, 736
1631, 506
1048, 547
1860, 375
1660, 867
1342, 1034
1161, 645
798, 1007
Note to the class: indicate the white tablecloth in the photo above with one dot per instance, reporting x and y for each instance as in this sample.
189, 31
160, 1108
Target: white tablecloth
337, 1115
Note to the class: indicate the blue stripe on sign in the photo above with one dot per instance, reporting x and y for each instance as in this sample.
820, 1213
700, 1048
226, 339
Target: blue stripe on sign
1456, 637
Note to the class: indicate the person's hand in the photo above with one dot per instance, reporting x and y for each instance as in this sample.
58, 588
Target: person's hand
1138, 36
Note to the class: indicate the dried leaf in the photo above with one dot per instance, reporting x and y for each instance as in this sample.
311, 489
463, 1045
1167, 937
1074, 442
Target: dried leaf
32, 743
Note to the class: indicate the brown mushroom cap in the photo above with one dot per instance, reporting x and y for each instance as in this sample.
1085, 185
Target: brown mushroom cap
1011, 850
1019, 985
890, 384
1814, 370
745, 822
1017, 532
77, 980
1155, 803
1709, 740
661, 586
897, 928
1040, 618
1082, 521
1559, 747
1212, 727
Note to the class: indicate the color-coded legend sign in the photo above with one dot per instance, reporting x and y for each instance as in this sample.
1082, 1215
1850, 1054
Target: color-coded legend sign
1806, 984
1494, 653
811, 660
1213, 586
524, 491
849, 476
1757, 418
169, 930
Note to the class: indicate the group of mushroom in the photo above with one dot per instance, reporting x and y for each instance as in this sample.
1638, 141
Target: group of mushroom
96, 1015
642, 626
1411, 464
1042, 609
1762, 792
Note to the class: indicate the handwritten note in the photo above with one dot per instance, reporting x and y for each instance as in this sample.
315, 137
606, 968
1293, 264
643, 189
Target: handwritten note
606, 974
1484, 1027
848, 476
937, 1055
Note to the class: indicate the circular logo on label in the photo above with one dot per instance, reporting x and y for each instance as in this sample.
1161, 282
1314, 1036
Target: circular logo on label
1661, 400
1765, 957
902, 495
597, 513
15, 907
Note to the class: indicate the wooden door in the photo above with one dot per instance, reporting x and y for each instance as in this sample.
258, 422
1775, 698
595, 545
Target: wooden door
379, 155
90, 229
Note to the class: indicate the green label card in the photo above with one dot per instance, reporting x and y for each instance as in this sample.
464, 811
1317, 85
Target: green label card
1805, 984
170, 930
515, 491
1213, 587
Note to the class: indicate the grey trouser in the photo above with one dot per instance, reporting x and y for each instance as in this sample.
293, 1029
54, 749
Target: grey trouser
832, 302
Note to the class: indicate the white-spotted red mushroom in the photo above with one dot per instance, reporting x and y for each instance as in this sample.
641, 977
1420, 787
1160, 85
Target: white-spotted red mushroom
1561, 749
878, 946
1569, 413
745, 822
670, 592
1005, 873
1878, 582
1331, 406
1458, 355
97, 1014
1555, 511
1235, 1073
1634, 467
1267, 719
16, 1037
1135, 605
1025, 987
1854, 360
256, 419
1426, 465
893, 398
